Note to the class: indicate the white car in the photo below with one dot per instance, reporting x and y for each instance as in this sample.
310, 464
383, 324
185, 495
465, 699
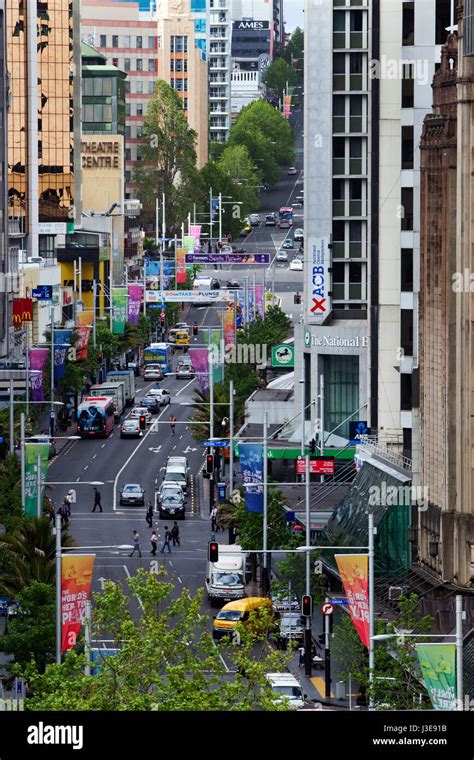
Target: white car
153, 372
299, 235
169, 488
140, 411
163, 395
292, 171
296, 265
281, 256
254, 220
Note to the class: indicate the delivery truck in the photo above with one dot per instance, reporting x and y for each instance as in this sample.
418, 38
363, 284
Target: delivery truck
116, 391
126, 376
225, 579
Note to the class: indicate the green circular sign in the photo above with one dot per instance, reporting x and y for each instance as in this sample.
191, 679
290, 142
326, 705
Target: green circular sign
307, 338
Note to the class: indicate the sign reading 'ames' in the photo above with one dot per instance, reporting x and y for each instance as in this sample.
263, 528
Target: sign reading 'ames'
251, 25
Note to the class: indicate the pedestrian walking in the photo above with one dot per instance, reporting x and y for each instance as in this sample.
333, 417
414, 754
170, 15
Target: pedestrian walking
175, 534
97, 500
62, 512
136, 544
214, 524
166, 542
173, 424
154, 543
301, 653
149, 514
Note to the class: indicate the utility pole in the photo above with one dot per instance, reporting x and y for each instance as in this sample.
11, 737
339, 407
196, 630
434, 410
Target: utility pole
94, 325
27, 378
12, 420
210, 216
231, 437
265, 504
371, 553
327, 656
220, 216
459, 661
321, 417
22, 459
51, 411
38, 486
211, 416
308, 619
58, 588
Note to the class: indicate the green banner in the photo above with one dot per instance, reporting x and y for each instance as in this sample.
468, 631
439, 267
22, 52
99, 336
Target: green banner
32, 451
218, 369
119, 310
189, 243
438, 666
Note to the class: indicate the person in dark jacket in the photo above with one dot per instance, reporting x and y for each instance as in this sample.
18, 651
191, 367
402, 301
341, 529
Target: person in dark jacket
175, 534
149, 514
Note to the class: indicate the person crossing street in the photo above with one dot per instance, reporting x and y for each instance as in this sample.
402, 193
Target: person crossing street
136, 544
173, 424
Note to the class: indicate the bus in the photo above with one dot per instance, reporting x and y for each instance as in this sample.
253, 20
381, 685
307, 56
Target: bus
158, 353
285, 217
95, 417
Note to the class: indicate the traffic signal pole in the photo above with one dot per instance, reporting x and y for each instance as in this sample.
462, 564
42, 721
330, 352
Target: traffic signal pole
327, 656
307, 624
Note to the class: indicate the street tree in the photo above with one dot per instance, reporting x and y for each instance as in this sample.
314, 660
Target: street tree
11, 511
165, 658
294, 52
260, 148
31, 633
27, 554
261, 117
279, 75
168, 158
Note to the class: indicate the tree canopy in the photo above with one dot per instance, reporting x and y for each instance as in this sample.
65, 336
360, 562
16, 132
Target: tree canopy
278, 75
262, 119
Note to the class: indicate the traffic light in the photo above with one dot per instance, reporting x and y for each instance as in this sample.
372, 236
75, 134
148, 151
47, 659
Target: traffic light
195, 329
210, 463
306, 606
213, 551
142, 422
162, 318
312, 446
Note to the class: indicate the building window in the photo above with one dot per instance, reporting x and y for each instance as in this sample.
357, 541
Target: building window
103, 40
407, 208
341, 386
139, 109
115, 62
407, 147
139, 64
127, 41
151, 87
185, 104
151, 43
127, 86
128, 176
406, 275
468, 28
126, 64
151, 64
178, 44
128, 154
139, 87
407, 86
128, 109
443, 19
128, 131
139, 42
408, 24
405, 392
115, 41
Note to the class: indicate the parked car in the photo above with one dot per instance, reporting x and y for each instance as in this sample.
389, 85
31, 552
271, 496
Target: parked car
130, 429
140, 411
281, 256
152, 403
153, 372
292, 171
296, 265
132, 494
135, 366
299, 235
163, 395
288, 243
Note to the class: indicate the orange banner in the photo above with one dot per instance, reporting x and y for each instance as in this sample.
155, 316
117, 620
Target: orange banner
83, 331
229, 328
76, 579
354, 570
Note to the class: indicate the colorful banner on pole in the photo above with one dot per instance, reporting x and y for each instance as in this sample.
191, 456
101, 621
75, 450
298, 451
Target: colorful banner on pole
153, 269
32, 451
181, 266
229, 329
287, 106
62, 340
438, 666
135, 295
217, 366
22, 310
251, 467
195, 231
354, 571
189, 243
83, 332
200, 361
38, 359
119, 310
76, 579
259, 300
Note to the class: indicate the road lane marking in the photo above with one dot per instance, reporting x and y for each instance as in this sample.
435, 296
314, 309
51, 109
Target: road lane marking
185, 386
78, 478
86, 466
152, 426
102, 446
179, 579
94, 456
127, 573
221, 657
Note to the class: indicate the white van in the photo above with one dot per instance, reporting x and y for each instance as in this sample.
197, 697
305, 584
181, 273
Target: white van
286, 687
206, 283
176, 473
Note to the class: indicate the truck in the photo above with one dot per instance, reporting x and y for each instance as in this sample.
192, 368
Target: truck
116, 391
225, 579
126, 376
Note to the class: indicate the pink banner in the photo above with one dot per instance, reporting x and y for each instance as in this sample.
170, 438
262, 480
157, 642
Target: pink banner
195, 231
181, 266
200, 361
259, 300
38, 359
135, 294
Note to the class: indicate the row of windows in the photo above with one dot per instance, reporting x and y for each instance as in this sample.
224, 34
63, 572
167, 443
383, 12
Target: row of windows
97, 113
97, 86
178, 43
134, 109
179, 64
127, 64
125, 41
139, 87
442, 21
179, 84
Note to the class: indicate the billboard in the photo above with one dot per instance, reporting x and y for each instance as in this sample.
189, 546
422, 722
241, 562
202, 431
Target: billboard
318, 302
251, 25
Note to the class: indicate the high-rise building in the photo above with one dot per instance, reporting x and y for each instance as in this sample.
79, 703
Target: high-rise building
182, 62
253, 39
127, 36
43, 59
219, 69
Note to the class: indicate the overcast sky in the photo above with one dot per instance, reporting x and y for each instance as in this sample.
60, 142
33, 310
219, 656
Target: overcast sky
293, 14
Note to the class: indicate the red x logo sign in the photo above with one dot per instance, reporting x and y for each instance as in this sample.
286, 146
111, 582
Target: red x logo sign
318, 305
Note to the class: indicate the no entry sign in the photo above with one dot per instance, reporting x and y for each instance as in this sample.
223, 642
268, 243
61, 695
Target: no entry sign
327, 609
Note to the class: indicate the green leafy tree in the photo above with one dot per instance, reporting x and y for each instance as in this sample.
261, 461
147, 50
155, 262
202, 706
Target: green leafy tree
261, 117
168, 164
292, 573
165, 661
294, 52
278, 75
201, 432
11, 510
27, 554
31, 633
260, 148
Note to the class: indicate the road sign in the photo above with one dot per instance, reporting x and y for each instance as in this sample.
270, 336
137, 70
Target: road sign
317, 466
217, 443
227, 258
283, 355
340, 601
43, 293
327, 609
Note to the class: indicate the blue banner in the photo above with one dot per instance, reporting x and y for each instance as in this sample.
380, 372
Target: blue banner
152, 267
62, 340
215, 208
251, 468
